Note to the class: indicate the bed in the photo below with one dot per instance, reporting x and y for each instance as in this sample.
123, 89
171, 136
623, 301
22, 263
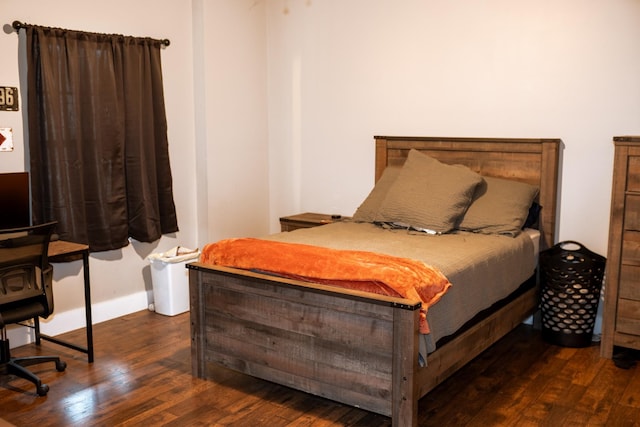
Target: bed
355, 347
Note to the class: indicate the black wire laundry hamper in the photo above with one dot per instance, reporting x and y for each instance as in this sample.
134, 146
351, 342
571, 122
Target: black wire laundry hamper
571, 279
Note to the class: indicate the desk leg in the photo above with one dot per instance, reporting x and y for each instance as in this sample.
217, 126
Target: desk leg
36, 328
88, 317
87, 305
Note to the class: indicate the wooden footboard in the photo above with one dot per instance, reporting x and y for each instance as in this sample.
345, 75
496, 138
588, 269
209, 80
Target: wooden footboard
355, 348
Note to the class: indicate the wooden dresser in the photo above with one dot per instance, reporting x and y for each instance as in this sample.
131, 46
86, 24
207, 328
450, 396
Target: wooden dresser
621, 318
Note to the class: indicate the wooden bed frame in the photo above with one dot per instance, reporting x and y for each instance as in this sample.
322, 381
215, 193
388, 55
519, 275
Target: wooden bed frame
353, 347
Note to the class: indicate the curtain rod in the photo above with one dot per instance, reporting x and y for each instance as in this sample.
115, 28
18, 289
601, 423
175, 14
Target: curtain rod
17, 25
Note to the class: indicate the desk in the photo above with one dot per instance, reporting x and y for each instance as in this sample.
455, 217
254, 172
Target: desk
61, 251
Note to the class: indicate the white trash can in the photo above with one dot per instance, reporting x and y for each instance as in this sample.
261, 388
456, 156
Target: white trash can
170, 279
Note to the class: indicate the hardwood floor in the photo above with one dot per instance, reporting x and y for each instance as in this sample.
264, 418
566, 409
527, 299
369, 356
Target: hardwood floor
142, 376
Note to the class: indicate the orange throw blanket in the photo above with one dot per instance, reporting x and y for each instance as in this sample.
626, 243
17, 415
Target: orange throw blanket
365, 271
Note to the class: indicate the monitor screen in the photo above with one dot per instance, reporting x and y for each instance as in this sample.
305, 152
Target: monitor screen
15, 208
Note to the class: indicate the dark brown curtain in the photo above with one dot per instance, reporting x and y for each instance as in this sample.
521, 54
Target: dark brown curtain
98, 148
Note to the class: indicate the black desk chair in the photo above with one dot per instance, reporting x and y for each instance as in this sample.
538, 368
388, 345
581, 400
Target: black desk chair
25, 293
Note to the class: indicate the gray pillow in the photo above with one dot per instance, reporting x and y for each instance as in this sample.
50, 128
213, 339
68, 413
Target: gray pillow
500, 206
429, 194
370, 206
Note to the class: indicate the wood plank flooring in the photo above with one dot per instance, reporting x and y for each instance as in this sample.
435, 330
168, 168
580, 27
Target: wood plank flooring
142, 376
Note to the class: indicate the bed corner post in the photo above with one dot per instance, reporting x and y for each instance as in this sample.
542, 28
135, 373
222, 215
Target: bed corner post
197, 322
550, 170
381, 156
404, 406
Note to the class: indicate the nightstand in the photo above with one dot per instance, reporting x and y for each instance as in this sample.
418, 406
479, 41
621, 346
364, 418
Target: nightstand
308, 220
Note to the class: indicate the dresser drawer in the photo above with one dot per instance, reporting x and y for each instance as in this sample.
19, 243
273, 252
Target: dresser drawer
633, 174
628, 317
629, 287
631, 248
632, 212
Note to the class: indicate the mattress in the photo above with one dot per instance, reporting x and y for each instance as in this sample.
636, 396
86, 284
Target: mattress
483, 269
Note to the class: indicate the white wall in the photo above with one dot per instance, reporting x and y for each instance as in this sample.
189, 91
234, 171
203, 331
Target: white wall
120, 280
215, 99
231, 75
341, 72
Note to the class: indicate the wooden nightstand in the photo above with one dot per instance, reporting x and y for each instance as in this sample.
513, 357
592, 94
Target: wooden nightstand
307, 220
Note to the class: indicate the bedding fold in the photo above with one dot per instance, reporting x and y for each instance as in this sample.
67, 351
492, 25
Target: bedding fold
359, 270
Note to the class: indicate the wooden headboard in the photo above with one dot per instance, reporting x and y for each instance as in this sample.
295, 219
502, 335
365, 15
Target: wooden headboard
534, 161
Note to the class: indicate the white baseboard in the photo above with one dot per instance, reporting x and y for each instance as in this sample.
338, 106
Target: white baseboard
61, 322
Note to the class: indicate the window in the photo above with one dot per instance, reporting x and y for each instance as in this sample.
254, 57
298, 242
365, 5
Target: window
99, 157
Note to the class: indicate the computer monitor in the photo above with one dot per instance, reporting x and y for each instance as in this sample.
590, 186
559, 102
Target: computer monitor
15, 209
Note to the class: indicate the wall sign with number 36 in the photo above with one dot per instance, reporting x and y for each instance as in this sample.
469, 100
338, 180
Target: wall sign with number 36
8, 98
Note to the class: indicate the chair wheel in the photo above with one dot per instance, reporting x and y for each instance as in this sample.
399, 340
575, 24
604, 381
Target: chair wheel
42, 390
61, 366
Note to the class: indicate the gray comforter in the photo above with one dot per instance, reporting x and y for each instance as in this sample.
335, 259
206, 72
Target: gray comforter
482, 268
